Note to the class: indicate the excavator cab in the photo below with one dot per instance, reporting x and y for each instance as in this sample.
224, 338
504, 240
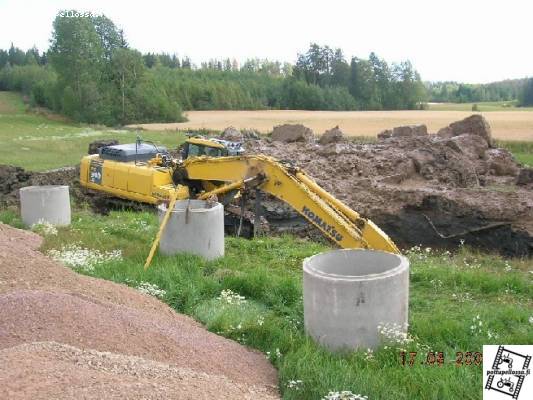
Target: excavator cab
199, 146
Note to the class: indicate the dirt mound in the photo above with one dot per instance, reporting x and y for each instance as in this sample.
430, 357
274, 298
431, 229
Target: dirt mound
47, 370
95, 146
525, 176
91, 314
289, 133
403, 131
409, 130
333, 135
475, 124
13, 178
466, 190
233, 134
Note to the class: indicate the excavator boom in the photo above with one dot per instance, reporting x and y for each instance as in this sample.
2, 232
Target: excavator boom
335, 219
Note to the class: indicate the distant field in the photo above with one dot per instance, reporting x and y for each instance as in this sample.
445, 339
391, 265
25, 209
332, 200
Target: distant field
506, 125
483, 106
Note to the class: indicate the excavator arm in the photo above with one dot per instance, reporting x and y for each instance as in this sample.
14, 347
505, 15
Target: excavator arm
336, 220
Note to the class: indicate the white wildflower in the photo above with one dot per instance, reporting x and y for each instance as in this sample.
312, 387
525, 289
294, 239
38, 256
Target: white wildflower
260, 320
394, 334
492, 335
295, 323
462, 297
369, 355
151, 289
230, 297
472, 264
75, 256
344, 395
477, 323
531, 319
437, 283
44, 227
295, 384
509, 289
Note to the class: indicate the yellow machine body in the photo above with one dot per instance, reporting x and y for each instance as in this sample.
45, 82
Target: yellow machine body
138, 181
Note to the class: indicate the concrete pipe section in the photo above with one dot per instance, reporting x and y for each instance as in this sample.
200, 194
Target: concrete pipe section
194, 227
49, 204
348, 293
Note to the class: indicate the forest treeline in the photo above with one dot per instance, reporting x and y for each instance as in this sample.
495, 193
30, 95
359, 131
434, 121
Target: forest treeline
453, 92
91, 74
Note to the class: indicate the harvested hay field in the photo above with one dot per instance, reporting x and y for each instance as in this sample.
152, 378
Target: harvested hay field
506, 125
66, 335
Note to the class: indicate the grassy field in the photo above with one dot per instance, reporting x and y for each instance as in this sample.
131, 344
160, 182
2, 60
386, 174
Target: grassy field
458, 302
506, 125
41, 142
482, 106
522, 151
450, 293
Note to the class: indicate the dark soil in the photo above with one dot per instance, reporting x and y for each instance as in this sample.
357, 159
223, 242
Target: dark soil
427, 190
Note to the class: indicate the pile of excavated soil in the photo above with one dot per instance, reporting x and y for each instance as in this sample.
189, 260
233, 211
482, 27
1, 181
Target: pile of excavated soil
13, 178
65, 335
429, 189
290, 133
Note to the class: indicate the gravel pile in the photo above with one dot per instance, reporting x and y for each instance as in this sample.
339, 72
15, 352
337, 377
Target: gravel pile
98, 339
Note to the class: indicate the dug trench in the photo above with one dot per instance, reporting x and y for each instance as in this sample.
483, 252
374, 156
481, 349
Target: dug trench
435, 190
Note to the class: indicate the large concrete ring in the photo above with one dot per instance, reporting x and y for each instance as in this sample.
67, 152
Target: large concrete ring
49, 204
349, 293
194, 228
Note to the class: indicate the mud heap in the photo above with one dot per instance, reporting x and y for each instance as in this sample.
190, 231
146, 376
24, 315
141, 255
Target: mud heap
13, 178
431, 189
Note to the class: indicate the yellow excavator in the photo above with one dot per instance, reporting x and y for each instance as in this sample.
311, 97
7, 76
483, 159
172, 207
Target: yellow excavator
146, 173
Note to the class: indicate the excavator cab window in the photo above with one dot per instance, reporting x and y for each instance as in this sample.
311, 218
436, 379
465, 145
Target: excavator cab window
196, 150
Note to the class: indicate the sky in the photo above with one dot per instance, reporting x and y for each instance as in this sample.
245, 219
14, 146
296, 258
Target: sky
467, 41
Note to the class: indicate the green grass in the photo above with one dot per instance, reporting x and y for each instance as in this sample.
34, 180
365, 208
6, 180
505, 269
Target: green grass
39, 142
522, 150
447, 292
481, 106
